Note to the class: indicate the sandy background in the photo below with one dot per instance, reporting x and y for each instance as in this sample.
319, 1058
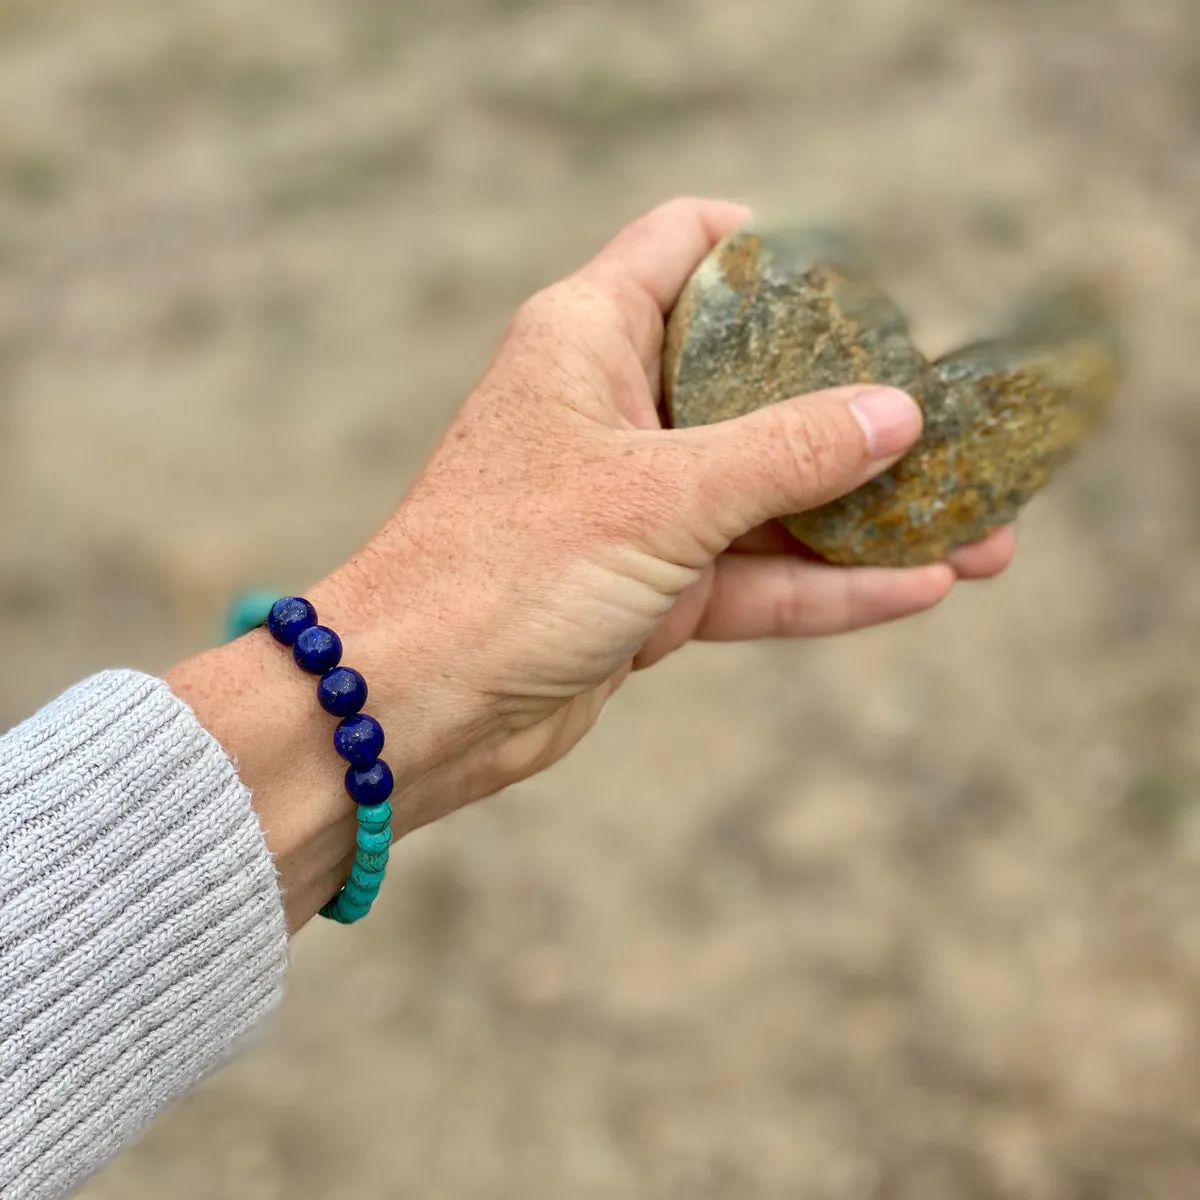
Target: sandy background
909, 916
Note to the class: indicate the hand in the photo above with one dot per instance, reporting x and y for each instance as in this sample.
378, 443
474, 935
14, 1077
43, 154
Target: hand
557, 539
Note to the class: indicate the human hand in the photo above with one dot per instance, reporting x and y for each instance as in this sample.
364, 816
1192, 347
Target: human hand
560, 537
557, 539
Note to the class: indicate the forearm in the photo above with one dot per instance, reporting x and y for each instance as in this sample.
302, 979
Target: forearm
141, 934
148, 833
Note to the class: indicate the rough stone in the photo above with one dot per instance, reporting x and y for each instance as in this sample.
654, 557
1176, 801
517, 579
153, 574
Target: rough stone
775, 314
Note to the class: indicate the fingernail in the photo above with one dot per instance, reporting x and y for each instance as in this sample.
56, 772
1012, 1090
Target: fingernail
890, 419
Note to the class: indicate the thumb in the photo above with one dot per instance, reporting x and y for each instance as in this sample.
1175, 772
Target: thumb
795, 455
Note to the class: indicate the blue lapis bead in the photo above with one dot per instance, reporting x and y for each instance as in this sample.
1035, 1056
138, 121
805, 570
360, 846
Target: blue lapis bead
317, 650
371, 785
342, 692
359, 740
289, 618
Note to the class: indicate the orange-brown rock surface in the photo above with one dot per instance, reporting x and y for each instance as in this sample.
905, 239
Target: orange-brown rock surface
775, 314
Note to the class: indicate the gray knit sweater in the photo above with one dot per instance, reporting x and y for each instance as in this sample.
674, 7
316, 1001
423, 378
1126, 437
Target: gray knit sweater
142, 936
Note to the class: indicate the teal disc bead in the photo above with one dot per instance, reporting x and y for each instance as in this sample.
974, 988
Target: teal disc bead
363, 877
373, 841
359, 898
247, 612
372, 864
344, 914
348, 905
375, 816
353, 894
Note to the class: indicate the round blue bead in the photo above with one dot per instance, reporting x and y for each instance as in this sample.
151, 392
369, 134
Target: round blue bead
342, 692
317, 650
289, 618
371, 785
359, 739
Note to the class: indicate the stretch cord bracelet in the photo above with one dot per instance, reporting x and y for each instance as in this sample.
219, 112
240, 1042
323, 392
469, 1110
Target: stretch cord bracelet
358, 738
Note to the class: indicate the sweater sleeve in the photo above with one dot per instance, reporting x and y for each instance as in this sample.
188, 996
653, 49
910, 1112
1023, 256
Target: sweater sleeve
142, 935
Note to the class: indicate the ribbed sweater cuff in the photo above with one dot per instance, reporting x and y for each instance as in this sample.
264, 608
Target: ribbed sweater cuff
141, 930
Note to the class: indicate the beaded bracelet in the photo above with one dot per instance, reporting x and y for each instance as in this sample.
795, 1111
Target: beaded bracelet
358, 738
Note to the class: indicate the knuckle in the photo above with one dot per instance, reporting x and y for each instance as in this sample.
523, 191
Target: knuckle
818, 451
537, 315
556, 313
802, 610
621, 291
789, 610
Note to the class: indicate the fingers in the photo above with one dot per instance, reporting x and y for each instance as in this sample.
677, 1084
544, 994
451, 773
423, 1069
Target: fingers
772, 538
981, 560
659, 252
790, 457
759, 596
632, 284
986, 559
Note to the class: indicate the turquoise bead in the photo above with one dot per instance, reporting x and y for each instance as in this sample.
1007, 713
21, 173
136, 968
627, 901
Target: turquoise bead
372, 864
352, 894
248, 612
333, 912
346, 911
373, 841
375, 816
359, 893
365, 878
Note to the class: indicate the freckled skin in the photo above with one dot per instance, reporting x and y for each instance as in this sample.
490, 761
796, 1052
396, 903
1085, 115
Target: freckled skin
777, 314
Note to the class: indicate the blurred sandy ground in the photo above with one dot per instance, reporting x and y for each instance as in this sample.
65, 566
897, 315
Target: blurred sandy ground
909, 916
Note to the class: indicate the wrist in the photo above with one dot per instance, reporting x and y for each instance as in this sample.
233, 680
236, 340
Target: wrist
263, 710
